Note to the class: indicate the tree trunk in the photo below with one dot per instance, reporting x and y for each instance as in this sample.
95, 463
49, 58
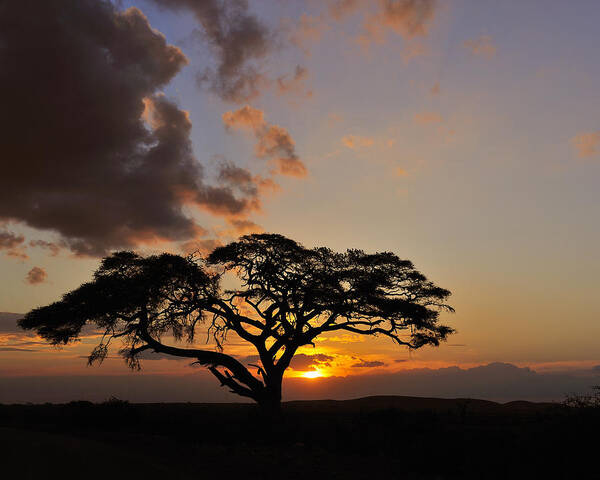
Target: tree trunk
270, 398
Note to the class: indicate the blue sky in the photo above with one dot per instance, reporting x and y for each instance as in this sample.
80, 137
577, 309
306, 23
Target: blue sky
464, 160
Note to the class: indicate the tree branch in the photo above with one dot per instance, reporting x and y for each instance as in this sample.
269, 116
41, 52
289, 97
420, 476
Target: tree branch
205, 357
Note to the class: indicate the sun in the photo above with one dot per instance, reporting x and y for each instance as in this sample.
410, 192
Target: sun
312, 374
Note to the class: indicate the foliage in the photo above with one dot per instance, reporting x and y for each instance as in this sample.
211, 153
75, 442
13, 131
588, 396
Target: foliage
584, 401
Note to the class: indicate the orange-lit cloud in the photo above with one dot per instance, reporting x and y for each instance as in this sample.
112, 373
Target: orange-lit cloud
36, 275
356, 141
274, 143
408, 18
245, 117
435, 122
428, 118
481, 47
303, 362
343, 338
586, 144
243, 227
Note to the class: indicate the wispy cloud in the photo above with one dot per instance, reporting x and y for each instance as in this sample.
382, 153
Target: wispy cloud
356, 141
368, 364
238, 41
12, 244
481, 47
428, 118
274, 142
294, 84
586, 144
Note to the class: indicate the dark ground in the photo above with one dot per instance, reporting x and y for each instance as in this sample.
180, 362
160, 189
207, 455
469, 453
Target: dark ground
371, 438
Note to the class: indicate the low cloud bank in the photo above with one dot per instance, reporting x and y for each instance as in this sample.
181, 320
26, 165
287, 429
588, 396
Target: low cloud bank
501, 382
497, 381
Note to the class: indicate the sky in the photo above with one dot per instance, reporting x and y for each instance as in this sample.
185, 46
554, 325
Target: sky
461, 135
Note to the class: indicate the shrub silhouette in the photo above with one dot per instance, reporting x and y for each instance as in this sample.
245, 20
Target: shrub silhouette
286, 296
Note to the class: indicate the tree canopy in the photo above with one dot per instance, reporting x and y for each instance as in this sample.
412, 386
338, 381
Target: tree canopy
285, 296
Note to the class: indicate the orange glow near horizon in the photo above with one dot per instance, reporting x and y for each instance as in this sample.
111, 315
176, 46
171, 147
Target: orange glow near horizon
312, 374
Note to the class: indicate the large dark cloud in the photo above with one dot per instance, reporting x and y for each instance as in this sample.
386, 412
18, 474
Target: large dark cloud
238, 40
90, 147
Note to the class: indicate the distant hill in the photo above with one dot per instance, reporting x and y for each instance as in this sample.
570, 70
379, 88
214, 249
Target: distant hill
414, 404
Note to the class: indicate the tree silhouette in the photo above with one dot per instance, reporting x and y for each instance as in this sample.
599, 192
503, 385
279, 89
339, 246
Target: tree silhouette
285, 295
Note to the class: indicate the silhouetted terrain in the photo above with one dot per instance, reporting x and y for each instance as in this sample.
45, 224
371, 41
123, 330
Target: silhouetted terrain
375, 437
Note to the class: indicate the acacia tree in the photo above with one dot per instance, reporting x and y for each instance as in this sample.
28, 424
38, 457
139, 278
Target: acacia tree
286, 296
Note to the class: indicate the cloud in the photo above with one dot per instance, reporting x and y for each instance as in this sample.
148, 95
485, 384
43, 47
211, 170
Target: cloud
356, 141
368, 364
245, 117
295, 84
302, 361
91, 149
308, 30
152, 355
338, 9
344, 338
12, 245
498, 382
17, 349
36, 275
8, 322
244, 227
274, 143
9, 240
203, 247
481, 47
53, 247
427, 118
333, 119
408, 18
238, 41
586, 144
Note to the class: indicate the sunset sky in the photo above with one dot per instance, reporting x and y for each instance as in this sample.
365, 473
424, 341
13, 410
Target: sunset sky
461, 135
